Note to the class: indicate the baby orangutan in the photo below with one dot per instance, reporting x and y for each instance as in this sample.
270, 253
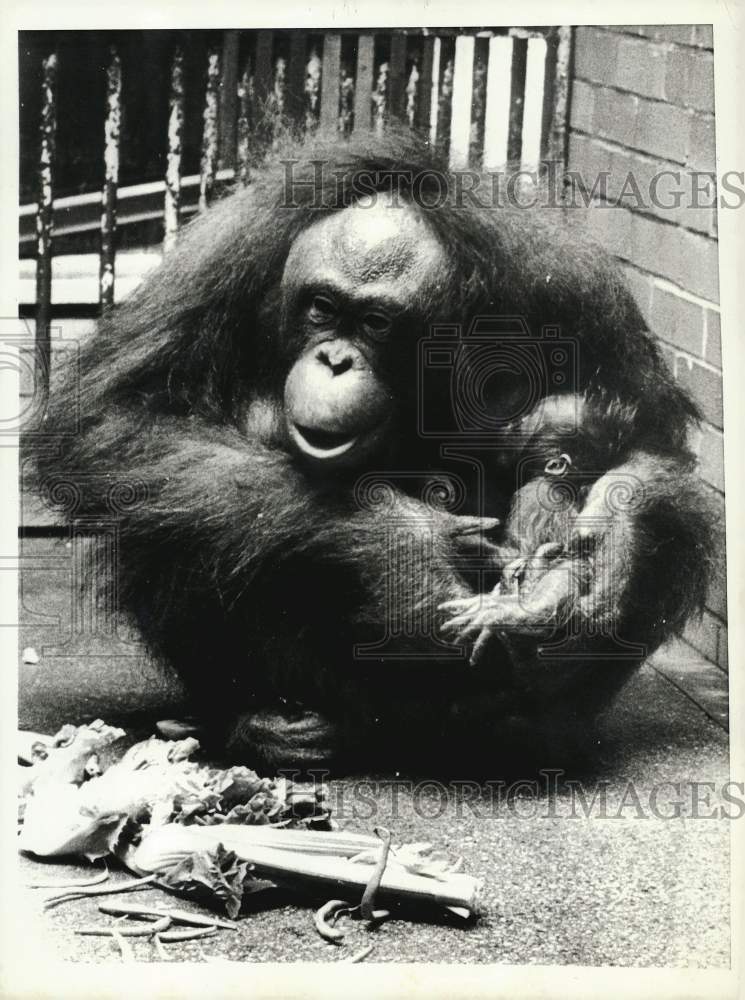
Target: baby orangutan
561, 449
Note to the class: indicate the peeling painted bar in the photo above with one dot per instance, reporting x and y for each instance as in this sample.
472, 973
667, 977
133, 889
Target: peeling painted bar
172, 200
410, 91
556, 94
347, 90
112, 133
208, 162
379, 96
243, 128
44, 221
313, 89
416, 79
446, 69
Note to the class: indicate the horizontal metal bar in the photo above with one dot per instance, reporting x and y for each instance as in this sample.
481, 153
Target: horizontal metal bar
443, 32
62, 310
82, 212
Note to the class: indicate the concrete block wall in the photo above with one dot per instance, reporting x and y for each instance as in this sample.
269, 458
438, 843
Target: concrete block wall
642, 113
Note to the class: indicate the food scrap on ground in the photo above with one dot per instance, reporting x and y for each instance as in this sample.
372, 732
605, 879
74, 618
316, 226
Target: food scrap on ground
325, 919
360, 955
213, 836
117, 887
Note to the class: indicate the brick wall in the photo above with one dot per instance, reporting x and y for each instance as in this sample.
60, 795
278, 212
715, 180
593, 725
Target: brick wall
642, 102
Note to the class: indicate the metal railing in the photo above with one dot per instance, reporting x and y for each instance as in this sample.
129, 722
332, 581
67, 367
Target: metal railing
487, 98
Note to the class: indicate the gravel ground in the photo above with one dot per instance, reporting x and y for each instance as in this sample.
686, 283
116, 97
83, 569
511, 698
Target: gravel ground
623, 889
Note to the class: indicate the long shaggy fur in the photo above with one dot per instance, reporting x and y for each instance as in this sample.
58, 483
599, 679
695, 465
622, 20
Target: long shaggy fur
255, 579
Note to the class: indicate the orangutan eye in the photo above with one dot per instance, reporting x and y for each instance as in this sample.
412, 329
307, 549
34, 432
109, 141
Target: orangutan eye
558, 466
376, 324
322, 309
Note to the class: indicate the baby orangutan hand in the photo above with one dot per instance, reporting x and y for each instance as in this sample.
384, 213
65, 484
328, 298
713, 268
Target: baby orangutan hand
537, 594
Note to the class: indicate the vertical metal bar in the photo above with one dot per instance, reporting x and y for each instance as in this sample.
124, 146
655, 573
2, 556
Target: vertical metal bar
379, 96
517, 99
44, 220
363, 83
296, 72
312, 89
263, 70
478, 104
445, 92
411, 90
276, 104
173, 155
228, 98
397, 77
243, 149
112, 129
347, 85
556, 94
424, 93
208, 160
330, 71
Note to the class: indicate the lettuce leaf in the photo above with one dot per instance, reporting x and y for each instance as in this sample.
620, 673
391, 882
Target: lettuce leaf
215, 878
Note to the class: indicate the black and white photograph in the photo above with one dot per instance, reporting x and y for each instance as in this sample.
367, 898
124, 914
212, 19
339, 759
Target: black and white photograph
365, 523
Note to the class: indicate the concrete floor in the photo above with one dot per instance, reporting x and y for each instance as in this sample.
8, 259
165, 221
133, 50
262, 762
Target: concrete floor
619, 889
